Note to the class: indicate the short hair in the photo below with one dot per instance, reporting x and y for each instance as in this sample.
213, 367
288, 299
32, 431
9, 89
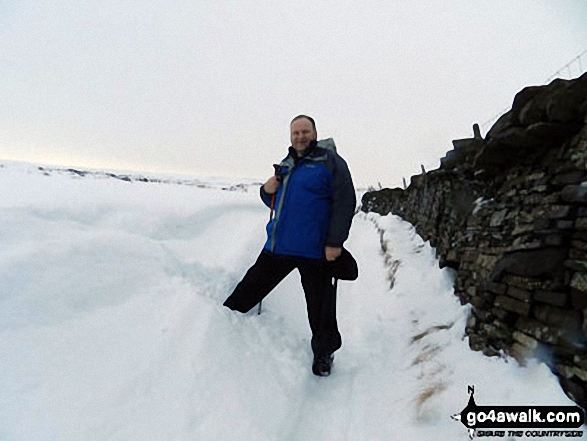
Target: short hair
306, 117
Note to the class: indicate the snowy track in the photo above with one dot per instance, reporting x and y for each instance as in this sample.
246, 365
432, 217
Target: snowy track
111, 326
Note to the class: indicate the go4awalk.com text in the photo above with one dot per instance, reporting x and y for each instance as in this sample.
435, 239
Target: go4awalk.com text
521, 421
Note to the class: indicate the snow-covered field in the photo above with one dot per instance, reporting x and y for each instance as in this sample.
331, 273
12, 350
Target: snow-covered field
111, 324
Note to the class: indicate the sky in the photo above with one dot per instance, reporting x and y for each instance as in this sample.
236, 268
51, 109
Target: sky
208, 88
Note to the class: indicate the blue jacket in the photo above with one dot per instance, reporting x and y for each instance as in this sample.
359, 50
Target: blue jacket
314, 205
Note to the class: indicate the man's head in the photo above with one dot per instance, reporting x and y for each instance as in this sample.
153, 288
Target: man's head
302, 132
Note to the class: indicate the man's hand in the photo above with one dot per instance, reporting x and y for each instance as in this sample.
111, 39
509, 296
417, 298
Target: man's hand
332, 253
272, 185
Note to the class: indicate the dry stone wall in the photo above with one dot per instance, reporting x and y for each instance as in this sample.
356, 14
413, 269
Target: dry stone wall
509, 213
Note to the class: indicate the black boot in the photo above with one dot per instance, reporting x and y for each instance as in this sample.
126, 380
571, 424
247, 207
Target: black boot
322, 364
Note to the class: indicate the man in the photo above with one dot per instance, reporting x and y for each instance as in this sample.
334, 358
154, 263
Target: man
313, 201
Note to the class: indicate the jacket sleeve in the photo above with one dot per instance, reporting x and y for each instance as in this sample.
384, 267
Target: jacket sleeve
343, 204
265, 197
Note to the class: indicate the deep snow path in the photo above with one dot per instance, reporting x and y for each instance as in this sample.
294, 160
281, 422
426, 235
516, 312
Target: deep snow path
333, 407
111, 326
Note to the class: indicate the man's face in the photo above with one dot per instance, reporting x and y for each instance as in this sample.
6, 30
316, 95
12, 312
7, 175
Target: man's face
301, 134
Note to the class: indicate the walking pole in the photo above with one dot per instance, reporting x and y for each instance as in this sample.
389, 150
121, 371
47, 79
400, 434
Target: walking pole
270, 217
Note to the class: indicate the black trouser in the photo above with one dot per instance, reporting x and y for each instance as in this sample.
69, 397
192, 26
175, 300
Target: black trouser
269, 270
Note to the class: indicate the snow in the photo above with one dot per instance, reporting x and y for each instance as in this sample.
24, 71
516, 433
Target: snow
112, 325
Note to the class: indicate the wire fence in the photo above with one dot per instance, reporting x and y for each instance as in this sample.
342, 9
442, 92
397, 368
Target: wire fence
571, 69
574, 68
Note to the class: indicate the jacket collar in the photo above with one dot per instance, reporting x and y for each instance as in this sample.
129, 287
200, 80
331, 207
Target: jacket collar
311, 149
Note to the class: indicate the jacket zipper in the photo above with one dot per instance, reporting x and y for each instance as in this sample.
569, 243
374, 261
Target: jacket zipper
278, 211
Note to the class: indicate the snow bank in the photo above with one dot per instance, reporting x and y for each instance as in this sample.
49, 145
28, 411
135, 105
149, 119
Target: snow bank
111, 325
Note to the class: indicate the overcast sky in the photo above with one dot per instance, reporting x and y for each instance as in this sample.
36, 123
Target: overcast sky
209, 87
